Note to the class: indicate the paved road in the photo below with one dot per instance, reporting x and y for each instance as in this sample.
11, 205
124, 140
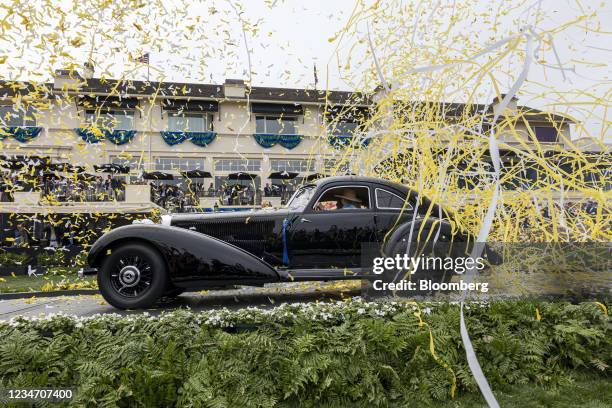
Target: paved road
268, 296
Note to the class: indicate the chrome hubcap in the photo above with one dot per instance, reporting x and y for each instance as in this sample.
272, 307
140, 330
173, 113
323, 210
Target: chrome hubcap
129, 275
132, 276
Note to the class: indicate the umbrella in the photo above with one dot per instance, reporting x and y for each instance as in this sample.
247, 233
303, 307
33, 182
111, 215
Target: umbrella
241, 176
18, 161
86, 177
65, 168
314, 176
157, 175
283, 175
112, 168
196, 174
11, 164
51, 175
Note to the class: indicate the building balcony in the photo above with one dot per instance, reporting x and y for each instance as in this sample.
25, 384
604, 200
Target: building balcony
268, 140
22, 134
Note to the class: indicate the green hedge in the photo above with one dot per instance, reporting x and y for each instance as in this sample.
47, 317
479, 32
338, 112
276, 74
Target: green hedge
49, 258
12, 258
311, 355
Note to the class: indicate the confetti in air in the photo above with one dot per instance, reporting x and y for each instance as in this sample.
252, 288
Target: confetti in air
444, 97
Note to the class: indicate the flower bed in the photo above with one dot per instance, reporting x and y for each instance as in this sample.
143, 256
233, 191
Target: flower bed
352, 353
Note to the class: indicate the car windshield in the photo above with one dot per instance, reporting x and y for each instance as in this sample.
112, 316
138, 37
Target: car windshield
301, 198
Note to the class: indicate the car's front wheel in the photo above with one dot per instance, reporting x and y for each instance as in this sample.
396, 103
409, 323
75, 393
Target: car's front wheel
133, 276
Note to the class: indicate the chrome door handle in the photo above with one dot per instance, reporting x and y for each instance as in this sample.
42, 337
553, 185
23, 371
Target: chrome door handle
304, 220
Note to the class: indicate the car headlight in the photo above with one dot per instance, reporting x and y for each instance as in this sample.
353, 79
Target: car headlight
143, 221
166, 219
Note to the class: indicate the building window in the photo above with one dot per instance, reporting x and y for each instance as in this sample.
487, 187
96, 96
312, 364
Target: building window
344, 128
178, 164
189, 122
120, 120
238, 165
278, 125
11, 115
546, 134
293, 165
336, 166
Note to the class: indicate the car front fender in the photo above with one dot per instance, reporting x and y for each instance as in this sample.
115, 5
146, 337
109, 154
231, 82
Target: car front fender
189, 255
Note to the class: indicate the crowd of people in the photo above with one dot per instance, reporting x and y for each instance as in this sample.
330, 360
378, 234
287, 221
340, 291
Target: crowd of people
64, 189
98, 188
178, 197
172, 197
284, 191
237, 194
44, 234
57, 230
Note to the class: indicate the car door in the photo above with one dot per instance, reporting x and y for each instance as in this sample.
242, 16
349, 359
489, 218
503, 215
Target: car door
332, 237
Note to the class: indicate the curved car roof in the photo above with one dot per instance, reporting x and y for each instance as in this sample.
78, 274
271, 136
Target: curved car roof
355, 179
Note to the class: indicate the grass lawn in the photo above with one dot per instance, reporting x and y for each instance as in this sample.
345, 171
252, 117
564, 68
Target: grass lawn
586, 391
57, 279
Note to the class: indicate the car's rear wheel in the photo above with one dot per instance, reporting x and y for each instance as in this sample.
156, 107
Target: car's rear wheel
133, 276
415, 249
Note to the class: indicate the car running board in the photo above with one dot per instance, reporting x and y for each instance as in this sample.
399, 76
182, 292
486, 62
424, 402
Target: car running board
293, 275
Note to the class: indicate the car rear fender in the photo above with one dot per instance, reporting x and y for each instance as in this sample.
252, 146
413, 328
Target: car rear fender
429, 229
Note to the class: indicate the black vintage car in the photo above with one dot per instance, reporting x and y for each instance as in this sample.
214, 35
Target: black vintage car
319, 235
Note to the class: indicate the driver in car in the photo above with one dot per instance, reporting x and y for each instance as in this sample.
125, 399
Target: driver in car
348, 200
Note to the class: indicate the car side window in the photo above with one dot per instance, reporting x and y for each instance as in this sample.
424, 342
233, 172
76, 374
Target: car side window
343, 198
389, 201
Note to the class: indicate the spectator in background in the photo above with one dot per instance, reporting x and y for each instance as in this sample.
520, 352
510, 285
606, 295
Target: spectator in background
22, 237
249, 195
163, 195
226, 196
108, 187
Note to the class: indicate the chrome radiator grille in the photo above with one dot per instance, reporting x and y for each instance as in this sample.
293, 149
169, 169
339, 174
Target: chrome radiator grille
250, 235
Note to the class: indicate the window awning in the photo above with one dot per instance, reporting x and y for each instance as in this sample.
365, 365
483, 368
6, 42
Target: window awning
189, 106
107, 103
277, 108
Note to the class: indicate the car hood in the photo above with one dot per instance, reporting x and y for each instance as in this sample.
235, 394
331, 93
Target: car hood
227, 216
